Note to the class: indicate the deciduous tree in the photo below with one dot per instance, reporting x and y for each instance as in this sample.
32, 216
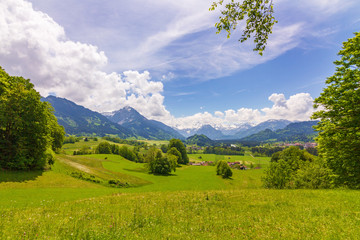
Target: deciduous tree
27, 125
177, 143
339, 114
257, 15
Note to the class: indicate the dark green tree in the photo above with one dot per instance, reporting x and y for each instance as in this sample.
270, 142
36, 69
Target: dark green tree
223, 169
339, 114
178, 144
103, 148
158, 164
27, 126
295, 168
173, 151
57, 133
257, 15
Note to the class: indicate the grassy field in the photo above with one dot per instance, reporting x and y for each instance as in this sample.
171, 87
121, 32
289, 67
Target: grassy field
193, 203
247, 159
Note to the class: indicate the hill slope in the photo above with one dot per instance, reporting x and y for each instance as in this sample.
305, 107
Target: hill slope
79, 120
141, 126
300, 131
273, 125
200, 140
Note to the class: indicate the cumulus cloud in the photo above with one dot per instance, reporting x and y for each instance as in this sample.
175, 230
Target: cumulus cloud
33, 45
298, 107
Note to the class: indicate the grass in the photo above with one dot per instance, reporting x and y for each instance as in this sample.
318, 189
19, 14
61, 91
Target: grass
262, 161
193, 203
221, 214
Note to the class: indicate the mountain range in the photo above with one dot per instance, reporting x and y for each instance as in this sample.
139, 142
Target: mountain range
128, 123
299, 131
150, 129
125, 123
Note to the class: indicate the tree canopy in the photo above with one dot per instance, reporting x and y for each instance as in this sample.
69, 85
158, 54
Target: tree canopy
258, 15
177, 143
28, 126
223, 169
158, 164
339, 114
295, 168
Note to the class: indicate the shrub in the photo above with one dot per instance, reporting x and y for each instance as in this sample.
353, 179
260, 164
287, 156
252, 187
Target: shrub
223, 169
295, 168
103, 148
158, 164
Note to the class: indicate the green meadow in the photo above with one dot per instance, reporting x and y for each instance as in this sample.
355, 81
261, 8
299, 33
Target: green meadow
74, 200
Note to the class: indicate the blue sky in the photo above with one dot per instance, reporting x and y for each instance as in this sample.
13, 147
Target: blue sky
164, 59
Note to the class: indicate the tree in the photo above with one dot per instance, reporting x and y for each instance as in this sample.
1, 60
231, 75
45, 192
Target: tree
223, 169
258, 15
158, 164
339, 114
173, 151
295, 168
177, 143
57, 133
28, 126
103, 148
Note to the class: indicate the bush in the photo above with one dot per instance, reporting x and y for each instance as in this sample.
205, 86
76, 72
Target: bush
223, 169
103, 148
158, 164
295, 168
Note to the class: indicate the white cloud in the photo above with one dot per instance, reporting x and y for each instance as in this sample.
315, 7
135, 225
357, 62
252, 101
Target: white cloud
33, 45
298, 107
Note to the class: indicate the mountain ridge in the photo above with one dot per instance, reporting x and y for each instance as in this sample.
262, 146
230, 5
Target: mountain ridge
129, 118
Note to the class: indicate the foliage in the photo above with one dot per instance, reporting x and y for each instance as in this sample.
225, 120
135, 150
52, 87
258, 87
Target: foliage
258, 15
178, 144
312, 150
223, 169
83, 151
125, 152
158, 164
295, 168
224, 150
174, 152
27, 125
69, 139
125, 141
103, 148
265, 151
339, 113
314, 175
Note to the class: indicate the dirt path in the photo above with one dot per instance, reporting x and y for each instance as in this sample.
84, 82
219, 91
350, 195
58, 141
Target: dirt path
78, 166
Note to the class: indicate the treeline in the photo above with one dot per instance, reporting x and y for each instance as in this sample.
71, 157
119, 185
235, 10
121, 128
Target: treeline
224, 150
265, 151
124, 141
124, 151
73, 139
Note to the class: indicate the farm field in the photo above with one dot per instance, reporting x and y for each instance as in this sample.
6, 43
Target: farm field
193, 203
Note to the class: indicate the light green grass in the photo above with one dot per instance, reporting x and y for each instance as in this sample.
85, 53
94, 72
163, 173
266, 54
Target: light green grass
247, 159
231, 214
193, 203
44, 188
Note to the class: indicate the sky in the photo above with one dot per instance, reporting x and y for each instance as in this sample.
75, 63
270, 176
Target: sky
164, 58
